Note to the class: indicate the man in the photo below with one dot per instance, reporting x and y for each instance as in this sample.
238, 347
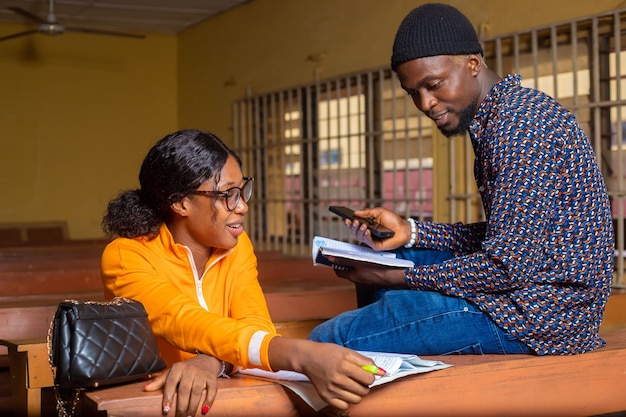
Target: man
535, 276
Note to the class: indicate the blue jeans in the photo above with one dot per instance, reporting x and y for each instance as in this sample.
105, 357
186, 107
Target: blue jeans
418, 322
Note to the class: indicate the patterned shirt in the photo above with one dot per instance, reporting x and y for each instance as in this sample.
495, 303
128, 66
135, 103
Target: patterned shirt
541, 266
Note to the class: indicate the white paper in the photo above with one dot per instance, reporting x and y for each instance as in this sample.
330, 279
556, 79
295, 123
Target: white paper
323, 247
397, 366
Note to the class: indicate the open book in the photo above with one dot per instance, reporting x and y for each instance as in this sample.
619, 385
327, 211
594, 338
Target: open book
323, 247
397, 366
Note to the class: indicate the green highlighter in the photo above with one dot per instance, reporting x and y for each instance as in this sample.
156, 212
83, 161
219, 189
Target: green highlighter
374, 369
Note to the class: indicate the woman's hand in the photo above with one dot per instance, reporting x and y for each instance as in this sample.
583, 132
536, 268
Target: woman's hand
193, 381
387, 218
335, 372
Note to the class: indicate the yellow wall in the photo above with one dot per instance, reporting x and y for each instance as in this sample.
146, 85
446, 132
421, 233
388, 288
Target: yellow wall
263, 46
78, 112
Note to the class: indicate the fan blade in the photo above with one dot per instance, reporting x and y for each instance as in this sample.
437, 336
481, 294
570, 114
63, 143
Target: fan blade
104, 32
17, 35
27, 15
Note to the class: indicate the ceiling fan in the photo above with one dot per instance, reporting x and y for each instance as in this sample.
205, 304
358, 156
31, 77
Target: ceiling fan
49, 26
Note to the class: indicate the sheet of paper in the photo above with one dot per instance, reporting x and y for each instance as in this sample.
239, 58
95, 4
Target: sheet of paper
323, 247
282, 375
397, 366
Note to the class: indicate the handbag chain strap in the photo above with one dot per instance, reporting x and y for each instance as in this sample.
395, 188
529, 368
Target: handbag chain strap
62, 405
66, 408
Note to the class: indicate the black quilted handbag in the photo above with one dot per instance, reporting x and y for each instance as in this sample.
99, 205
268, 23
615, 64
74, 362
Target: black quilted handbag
94, 343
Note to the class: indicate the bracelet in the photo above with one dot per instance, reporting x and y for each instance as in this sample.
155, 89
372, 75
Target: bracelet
413, 233
223, 373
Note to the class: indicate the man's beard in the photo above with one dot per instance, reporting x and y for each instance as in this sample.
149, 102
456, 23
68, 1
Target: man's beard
465, 119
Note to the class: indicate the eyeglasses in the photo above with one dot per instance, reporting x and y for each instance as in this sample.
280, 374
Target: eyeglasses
232, 195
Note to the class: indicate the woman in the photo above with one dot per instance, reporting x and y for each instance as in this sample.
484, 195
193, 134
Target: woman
181, 251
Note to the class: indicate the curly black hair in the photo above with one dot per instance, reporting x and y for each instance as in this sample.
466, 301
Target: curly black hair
174, 167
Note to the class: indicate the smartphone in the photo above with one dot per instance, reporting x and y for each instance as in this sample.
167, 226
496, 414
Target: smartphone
377, 229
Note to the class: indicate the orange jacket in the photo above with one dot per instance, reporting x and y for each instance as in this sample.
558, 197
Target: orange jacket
217, 314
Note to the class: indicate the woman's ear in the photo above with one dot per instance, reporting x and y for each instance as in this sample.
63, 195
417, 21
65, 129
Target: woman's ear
180, 207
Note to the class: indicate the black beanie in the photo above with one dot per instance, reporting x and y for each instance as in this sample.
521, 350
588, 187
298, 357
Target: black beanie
434, 29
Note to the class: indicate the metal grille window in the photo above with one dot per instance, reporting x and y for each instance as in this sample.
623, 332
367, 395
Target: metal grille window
359, 141
581, 64
356, 141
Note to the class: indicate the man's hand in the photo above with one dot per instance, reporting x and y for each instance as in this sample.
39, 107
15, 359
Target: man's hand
387, 218
368, 274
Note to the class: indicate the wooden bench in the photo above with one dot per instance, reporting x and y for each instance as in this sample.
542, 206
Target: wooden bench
35, 279
31, 289
488, 385
30, 373
588, 384
536, 379
33, 233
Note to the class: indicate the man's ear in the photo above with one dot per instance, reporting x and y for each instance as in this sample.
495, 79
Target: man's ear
475, 63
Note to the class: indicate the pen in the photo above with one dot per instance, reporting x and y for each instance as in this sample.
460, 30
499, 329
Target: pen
376, 370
